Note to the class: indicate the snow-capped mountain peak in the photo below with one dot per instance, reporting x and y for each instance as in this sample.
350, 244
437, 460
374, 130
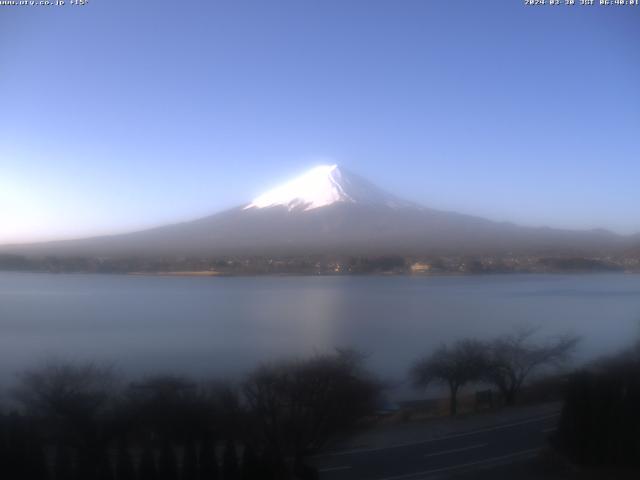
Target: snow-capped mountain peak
322, 186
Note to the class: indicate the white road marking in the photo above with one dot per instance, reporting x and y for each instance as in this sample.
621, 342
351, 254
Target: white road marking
456, 450
333, 469
486, 461
430, 440
549, 430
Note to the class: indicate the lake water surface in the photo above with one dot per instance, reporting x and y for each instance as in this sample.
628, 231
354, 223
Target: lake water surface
225, 326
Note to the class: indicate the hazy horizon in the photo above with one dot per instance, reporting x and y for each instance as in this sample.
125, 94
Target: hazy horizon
517, 114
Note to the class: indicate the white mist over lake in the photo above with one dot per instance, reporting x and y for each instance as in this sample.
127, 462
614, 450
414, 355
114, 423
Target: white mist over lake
222, 327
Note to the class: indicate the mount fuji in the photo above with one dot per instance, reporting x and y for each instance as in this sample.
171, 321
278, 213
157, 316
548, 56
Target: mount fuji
323, 186
331, 211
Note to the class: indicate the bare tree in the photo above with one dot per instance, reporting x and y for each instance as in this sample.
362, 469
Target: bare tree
299, 405
513, 357
73, 398
74, 401
464, 362
66, 389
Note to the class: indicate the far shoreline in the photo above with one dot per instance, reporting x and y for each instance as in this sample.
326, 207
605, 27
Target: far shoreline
216, 274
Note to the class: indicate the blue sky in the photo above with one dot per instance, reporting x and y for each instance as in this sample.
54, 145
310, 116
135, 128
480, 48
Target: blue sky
119, 114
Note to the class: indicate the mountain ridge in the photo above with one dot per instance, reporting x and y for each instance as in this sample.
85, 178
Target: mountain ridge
331, 211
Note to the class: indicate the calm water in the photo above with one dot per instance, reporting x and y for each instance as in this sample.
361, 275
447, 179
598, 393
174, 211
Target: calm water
224, 326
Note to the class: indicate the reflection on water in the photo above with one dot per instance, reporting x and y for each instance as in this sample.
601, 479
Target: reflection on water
224, 326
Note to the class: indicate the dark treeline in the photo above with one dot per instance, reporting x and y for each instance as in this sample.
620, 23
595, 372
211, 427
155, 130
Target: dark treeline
82, 422
600, 421
319, 264
312, 264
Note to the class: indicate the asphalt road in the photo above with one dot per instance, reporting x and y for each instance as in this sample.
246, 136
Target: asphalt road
441, 457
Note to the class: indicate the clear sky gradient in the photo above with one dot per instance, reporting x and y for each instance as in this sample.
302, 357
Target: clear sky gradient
125, 114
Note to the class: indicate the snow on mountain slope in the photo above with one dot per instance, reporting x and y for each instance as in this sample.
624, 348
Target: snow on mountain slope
325, 185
